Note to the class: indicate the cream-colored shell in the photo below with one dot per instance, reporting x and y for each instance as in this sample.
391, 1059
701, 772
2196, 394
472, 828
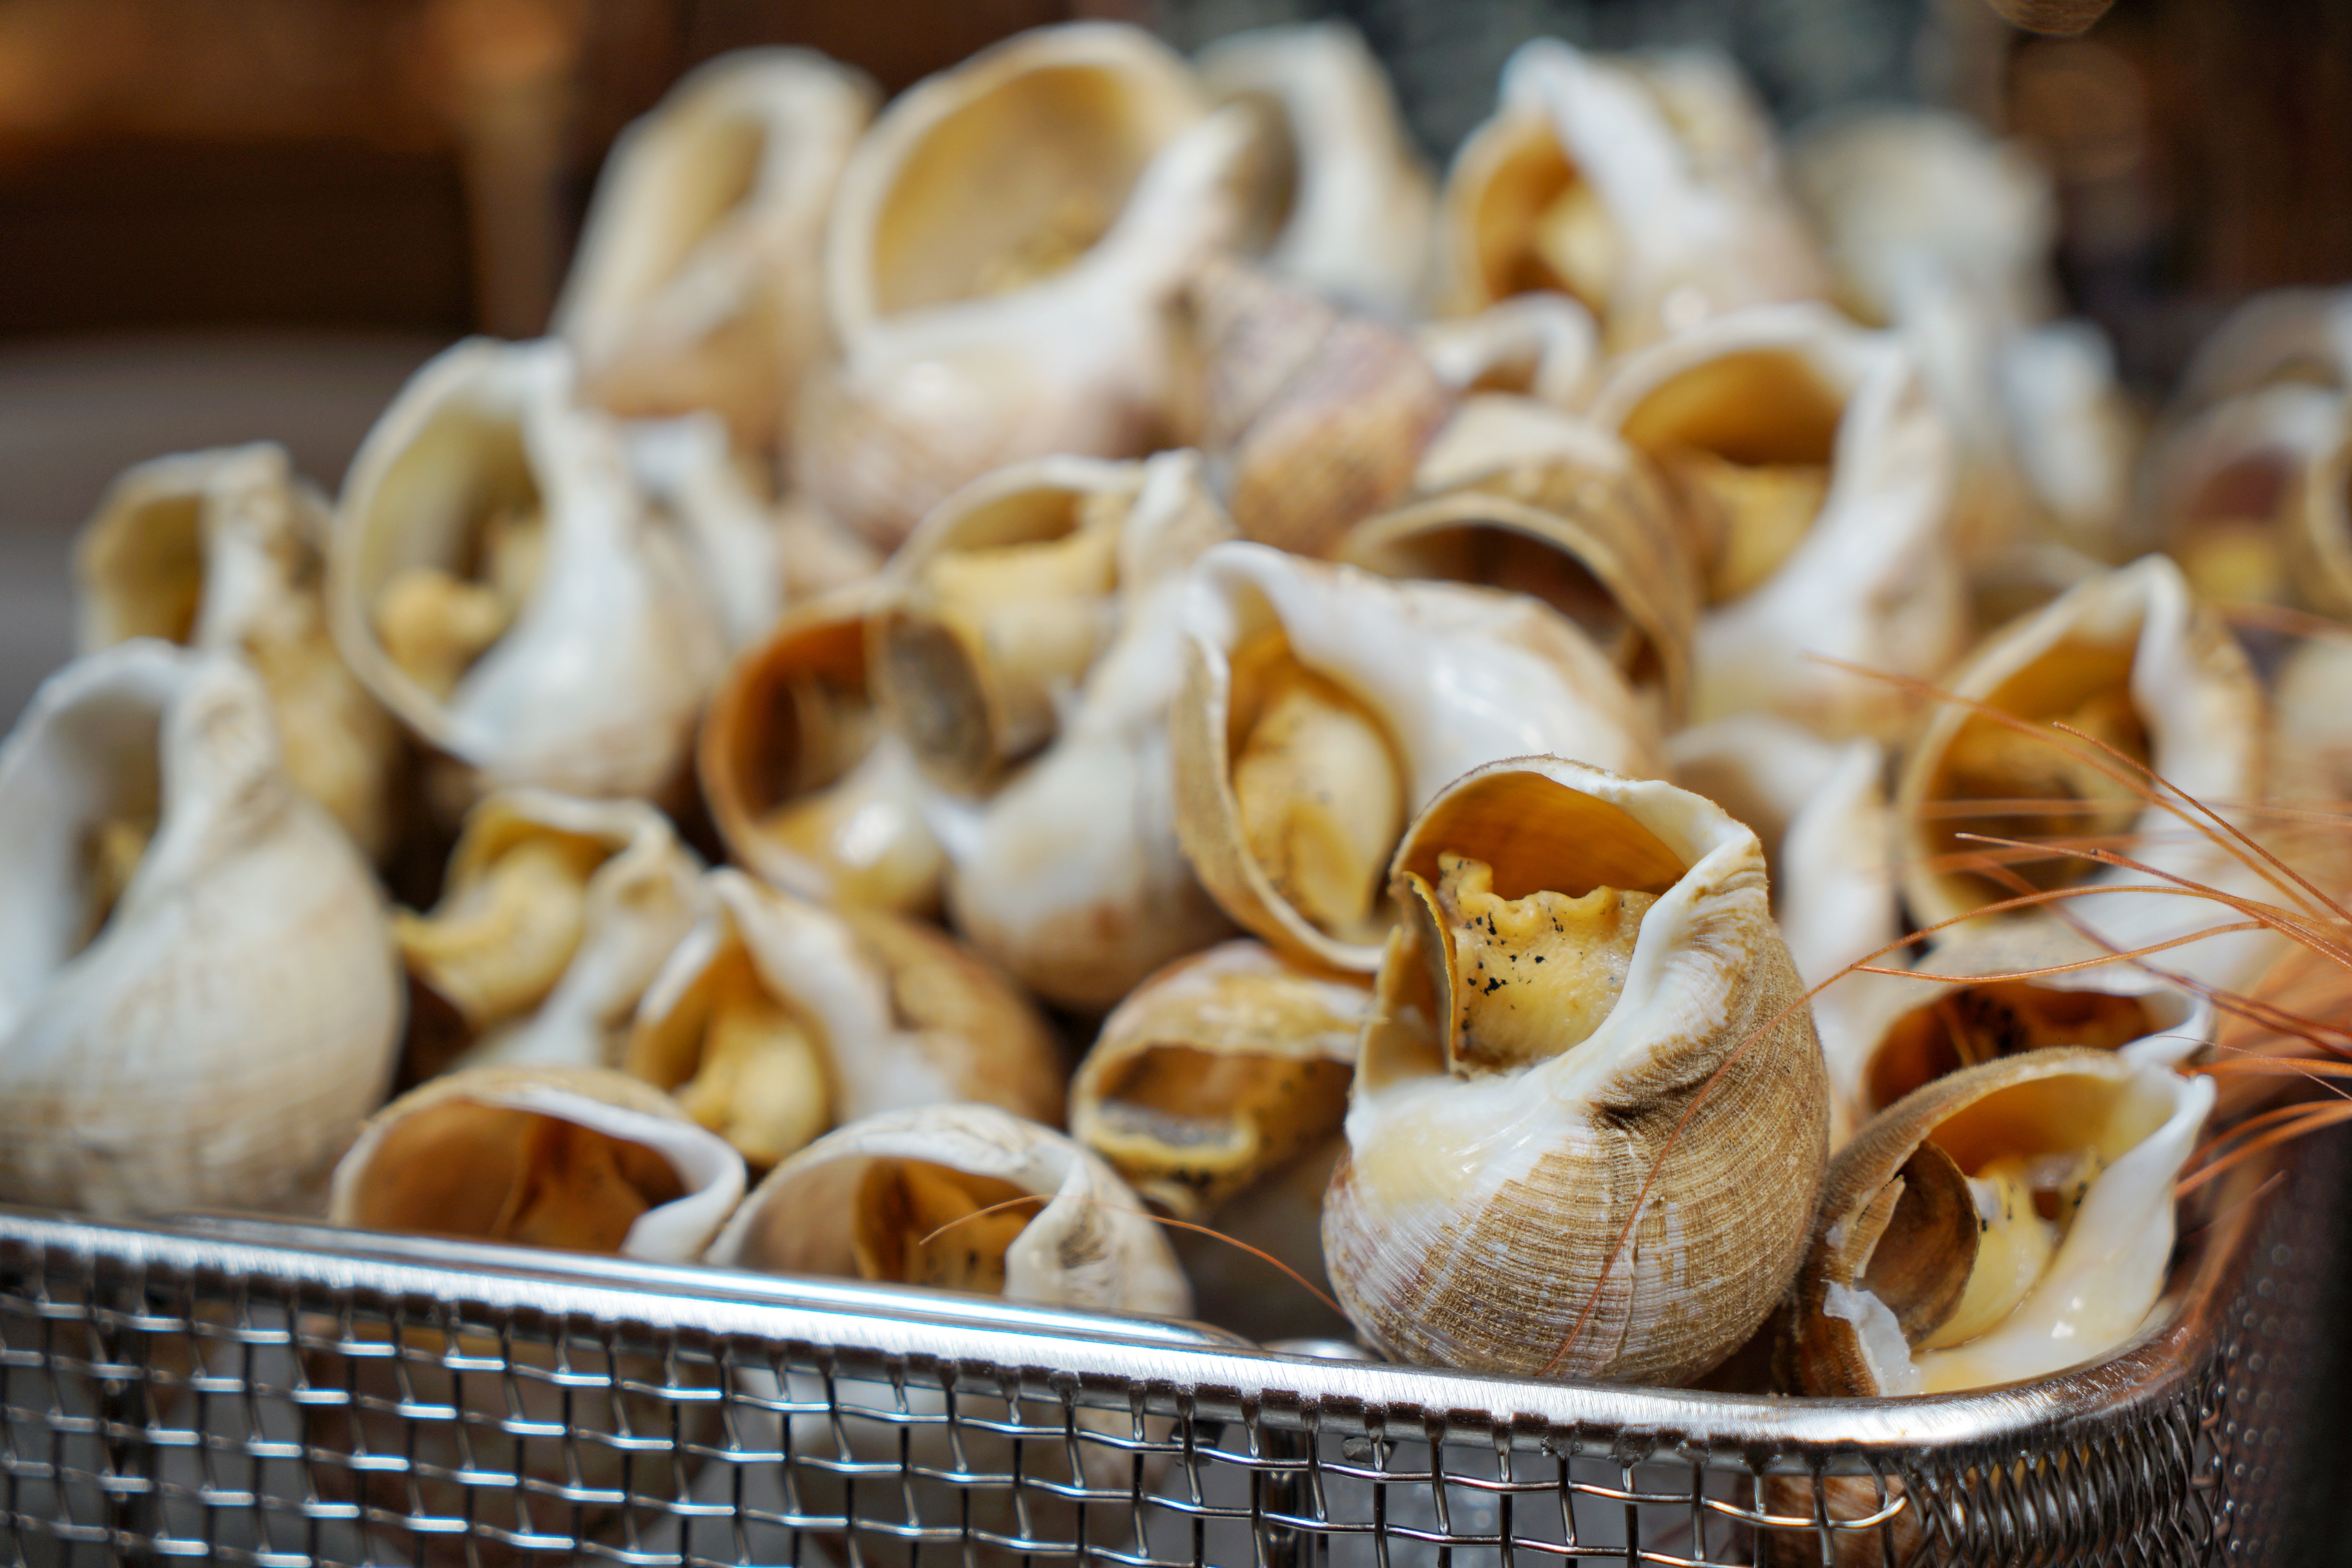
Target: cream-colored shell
877, 847
1628, 1209
730, 534
941, 380
219, 1039
237, 530
1841, 1338
1090, 1247
595, 687
697, 284
2283, 335
1546, 346
2274, 459
1356, 224
1681, 158
968, 1036
2205, 720
1820, 809
1456, 676
1875, 580
640, 903
2311, 743
1517, 469
1070, 875
1239, 1000
676, 1232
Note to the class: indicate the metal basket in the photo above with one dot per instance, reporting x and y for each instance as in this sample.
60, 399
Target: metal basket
286, 1395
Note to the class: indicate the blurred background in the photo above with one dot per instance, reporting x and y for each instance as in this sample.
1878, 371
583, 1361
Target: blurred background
253, 218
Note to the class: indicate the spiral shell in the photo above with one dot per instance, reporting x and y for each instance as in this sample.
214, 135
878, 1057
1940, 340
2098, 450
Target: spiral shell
696, 283
1589, 1115
497, 580
1818, 473
554, 916
776, 1019
1935, 1268
808, 787
1004, 251
223, 549
1321, 706
198, 1003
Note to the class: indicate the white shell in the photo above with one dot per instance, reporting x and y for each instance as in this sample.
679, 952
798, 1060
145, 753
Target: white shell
1358, 224
1545, 345
2205, 720
595, 687
1681, 157
696, 280
252, 535
939, 385
1070, 875
218, 1041
674, 1231
640, 904
734, 538
1092, 1247
1876, 581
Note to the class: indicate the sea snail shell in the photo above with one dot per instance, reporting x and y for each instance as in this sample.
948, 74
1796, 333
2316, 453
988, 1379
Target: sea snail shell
1514, 494
581, 1158
1004, 251
776, 1019
224, 549
1069, 874
1322, 705
1819, 474
861, 1201
697, 281
581, 661
554, 916
2130, 658
808, 787
1933, 1272
1589, 1118
196, 1018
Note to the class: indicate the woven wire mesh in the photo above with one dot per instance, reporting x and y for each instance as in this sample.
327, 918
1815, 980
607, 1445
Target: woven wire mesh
282, 1396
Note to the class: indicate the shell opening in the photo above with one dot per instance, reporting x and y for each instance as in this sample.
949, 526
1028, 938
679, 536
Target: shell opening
1208, 1123
1495, 555
740, 1062
2230, 545
1976, 1024
1268, 176
151, 565
505, 933
989, 643
1320, 793
1747, 441
1016, 185
2084, 685
436, 623
1538, 225
921, 1223
113, 851
488, 1172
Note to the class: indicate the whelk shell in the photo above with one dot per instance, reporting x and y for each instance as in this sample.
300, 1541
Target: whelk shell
198, 1001
1003, 253
1322, 705
223, 549
1514, 494
1589, 1117
1349, 213
776, 1019
2251, 496
2002, 1222
1070, 874
498, 582
806, 784
554, 916
1818, 473
581, 1158
1646, 189
697, 284
2131, 660
1539, 345
1315, 414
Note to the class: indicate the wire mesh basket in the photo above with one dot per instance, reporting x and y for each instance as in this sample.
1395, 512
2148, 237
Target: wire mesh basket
270, 1394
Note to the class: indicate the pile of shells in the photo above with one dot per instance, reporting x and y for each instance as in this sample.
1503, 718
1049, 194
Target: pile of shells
1232, 681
